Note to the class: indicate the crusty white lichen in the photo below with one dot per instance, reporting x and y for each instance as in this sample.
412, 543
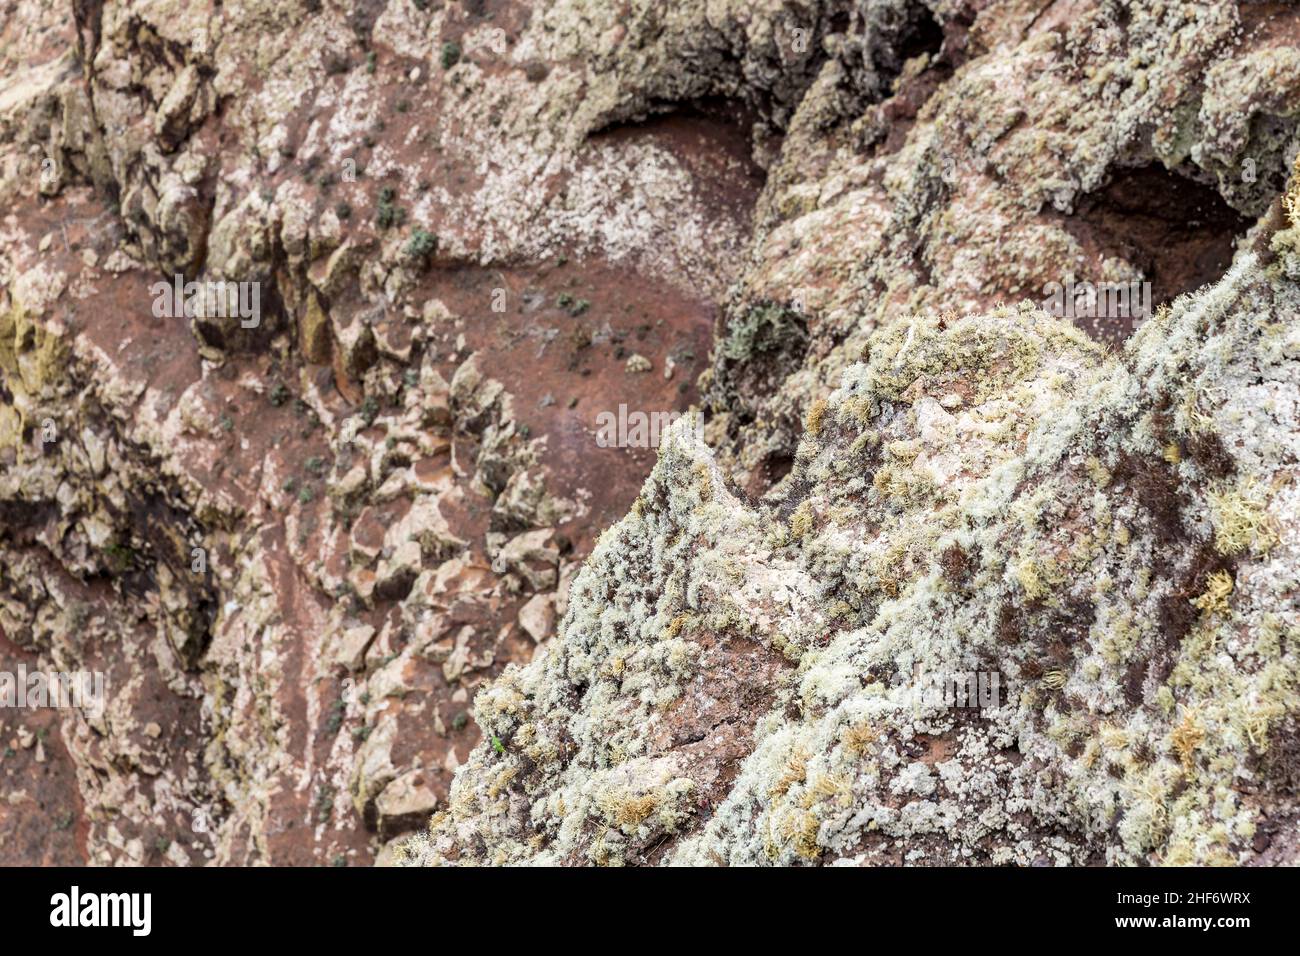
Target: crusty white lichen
1146, 645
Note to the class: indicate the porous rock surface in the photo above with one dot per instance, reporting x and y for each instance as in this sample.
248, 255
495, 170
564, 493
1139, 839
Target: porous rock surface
476, 225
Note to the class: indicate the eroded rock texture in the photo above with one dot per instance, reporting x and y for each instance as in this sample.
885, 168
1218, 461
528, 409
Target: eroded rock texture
303, 550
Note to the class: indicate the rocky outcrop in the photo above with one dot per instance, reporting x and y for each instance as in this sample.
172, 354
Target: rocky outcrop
356, 533
954, 489
986, 495
296, 534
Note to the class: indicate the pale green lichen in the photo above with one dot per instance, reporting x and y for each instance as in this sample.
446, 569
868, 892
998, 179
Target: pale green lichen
1126, 750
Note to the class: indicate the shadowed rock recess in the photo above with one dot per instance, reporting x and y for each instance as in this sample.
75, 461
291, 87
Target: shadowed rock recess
366, 582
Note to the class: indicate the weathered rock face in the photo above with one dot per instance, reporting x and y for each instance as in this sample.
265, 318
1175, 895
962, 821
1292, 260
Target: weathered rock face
955, 488
302, 536
989, 495
296, 534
